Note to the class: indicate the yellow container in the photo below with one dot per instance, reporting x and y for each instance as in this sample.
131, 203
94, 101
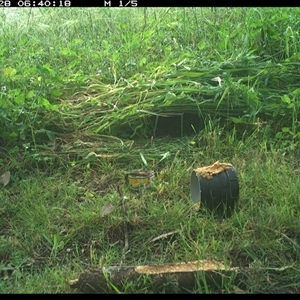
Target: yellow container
139, 179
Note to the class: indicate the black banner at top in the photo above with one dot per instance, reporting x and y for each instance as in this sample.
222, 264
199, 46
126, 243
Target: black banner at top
112, 3
101, 3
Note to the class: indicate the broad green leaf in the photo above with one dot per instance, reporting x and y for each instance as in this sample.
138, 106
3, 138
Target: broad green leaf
296, 91
237, 120
143, 61
51, 135
285, 129
30, 94
48, 68
43, 102
9, 72
46, 104
286, 99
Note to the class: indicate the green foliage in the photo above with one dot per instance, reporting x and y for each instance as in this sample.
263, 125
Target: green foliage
143, 62
274, 34
23, 100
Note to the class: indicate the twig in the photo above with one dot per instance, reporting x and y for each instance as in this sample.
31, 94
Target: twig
126, 244
281, 269
164, 235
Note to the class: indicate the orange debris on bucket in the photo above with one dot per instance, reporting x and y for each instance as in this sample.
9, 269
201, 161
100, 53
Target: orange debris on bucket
214, 169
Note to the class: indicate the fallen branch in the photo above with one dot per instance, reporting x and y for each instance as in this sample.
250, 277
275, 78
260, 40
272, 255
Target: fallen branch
175, 277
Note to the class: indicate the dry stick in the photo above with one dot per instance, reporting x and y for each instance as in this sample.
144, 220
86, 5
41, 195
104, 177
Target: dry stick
126, 244
281, 269
164, 235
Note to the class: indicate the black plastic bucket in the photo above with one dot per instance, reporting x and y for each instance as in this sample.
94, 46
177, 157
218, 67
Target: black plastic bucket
218, 193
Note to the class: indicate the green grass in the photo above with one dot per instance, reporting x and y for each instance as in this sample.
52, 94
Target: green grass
53, 221
78, 88
114, 68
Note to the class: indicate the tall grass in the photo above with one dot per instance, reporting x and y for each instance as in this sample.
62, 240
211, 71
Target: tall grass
152, 59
